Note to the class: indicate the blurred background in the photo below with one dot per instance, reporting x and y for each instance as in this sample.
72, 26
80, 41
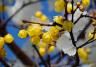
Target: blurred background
47, 7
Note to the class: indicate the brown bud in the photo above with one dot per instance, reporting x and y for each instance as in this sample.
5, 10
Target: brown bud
78, 4
81, 7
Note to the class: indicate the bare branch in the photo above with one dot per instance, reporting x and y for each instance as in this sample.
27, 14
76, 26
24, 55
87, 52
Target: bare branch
39, 55
42, 24
84, 29
4, 62
90, 40
71, 33
86, 43
18, 10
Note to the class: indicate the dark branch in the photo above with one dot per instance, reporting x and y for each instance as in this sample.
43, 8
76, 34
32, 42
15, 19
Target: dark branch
17, 11
86, 43
40, 56
15, 26
78, 19
89, 16
42, 24
66, 13
21, 55
90, 40
4, 62
84, 29
71, 33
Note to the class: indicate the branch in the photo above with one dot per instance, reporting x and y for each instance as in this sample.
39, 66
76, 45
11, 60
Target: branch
3, 7
4, 62
86, 43
90, 40
81, 16
72, 11
15, 26
72, 38
71, 33
42, 24
84, 29
75, 10
77, 60
89, 16
17, 51
18, 10
48, 60
78, 19
21, 55
40, 55
66, 13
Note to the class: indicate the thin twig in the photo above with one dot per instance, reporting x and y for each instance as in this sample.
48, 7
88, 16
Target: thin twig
86, 43
75, 10
15, 26
18, 10
42, 24
3, 8
71, 33
21, 55
81, 16
90, 40
78, 19
48, 59
4, 63
66, 13
73, 39
84, 29
40, 56
89, 16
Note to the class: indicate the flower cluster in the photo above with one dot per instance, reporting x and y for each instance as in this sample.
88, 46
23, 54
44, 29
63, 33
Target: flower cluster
6, 39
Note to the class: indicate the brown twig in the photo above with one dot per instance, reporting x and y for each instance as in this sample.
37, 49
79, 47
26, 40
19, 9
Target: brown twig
18, 10
4, 62
42, 24
84, 29
17, 51
40, 56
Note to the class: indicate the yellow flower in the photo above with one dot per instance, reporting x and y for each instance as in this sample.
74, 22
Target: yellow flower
38, 14
90, 35
94, 21
54, 32
78, 4
34, 30
59, 5
22, 33
69, 7
8, 38
58, 27
2, 53
43, 18
42, 45
42, 51
68, 25
81, 7
1, 7
85, 3
47, 38
83, 54
1, 42
58, 19
35, 40
51, 49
